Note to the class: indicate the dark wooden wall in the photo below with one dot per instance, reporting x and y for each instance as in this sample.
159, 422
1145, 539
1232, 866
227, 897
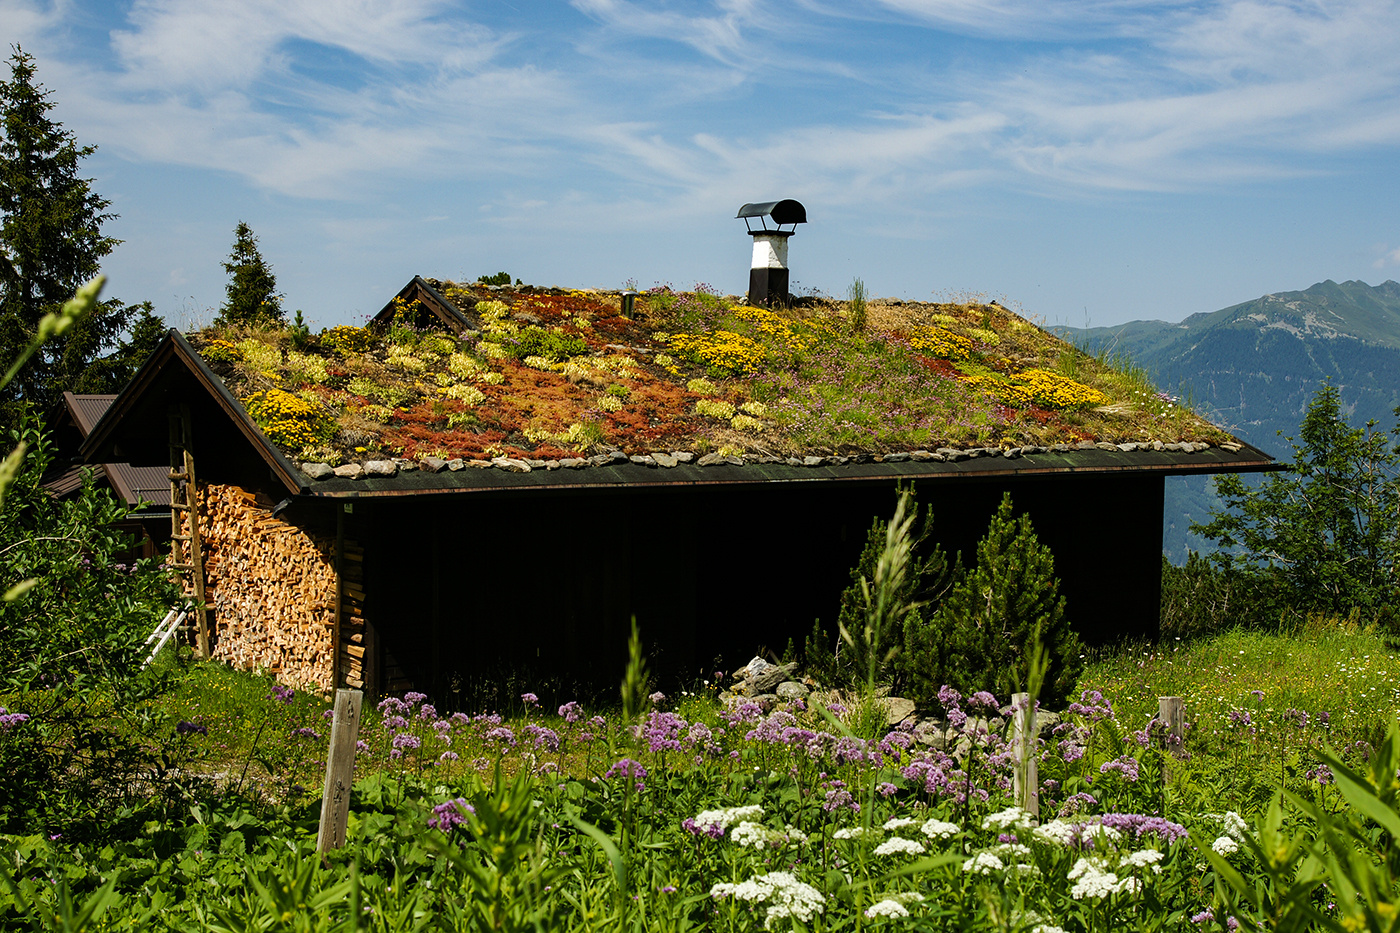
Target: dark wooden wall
547, 582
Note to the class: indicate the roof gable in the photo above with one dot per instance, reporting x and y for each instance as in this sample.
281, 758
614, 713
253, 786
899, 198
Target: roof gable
423, 306
231, 447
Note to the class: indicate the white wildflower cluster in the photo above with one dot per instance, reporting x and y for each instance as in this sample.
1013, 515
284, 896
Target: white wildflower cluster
723, 819
1143, 858
937, 829
899, 846
1093, 880
783, 894
1056, 832
749, 835
1225, 846
1235, 830
1011, 818
1039, 923
849, 832
1011, 850
984, 863
894, 905
899, 822
887, 908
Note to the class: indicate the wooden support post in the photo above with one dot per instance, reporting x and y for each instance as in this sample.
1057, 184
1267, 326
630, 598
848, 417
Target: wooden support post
340, 770
201, 610
1171, 712
186, 543
1023, 735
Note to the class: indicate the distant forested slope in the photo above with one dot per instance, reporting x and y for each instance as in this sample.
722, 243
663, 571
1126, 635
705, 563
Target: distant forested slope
1253, 367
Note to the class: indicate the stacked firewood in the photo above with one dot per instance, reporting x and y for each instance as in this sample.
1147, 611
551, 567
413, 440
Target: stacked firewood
272, 589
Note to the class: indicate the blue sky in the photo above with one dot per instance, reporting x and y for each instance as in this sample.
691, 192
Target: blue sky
1085, 160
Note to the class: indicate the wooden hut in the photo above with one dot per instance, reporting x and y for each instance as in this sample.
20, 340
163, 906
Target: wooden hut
419, 570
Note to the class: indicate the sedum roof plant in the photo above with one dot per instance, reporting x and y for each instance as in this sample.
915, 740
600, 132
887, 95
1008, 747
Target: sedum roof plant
551, 373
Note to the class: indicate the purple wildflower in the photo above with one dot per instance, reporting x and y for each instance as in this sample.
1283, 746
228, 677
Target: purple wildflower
306, 732
1076, 803
570, 712
282, 694
450, 814
529, 699
627, 768
983, 699
886, 789
183, 727
544, 738
662, 732
712, 830
1125, 765
502, 735
1140, 825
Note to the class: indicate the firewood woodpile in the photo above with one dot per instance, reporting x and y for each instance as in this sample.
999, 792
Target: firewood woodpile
272, 589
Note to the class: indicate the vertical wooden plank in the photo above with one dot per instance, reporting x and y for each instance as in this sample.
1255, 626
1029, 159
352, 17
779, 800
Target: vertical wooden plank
340, 770
1023, 733
201, 612
338, 674
435, 615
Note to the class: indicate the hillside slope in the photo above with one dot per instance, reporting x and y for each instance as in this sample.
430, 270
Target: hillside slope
1253, 367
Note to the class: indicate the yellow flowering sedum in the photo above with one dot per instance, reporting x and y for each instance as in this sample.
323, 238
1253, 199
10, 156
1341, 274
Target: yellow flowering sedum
723, 350
347, 340
701, 386
468, 394
259, 356
1040, 387
288, 420
714, 408
746, 423
1051, 390
463, 366
940, 342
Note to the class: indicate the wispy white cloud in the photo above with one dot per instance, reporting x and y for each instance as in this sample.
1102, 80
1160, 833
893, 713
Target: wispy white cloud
1388, 258
720, 35
330, 97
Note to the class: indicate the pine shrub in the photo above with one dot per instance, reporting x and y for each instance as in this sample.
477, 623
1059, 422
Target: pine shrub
977, 637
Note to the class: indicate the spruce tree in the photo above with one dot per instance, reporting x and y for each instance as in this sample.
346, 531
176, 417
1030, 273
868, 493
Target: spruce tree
51, 243
978, 638
1325, 534
252, 289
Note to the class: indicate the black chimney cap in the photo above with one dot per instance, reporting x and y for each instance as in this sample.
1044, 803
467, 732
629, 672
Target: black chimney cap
786, 211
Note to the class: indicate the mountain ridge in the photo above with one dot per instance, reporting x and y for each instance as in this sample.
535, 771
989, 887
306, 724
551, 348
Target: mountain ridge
1254, 367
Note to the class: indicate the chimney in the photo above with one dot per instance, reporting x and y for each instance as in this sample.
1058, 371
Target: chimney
768, 273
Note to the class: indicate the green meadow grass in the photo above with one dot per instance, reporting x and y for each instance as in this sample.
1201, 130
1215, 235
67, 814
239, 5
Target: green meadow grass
1348, 674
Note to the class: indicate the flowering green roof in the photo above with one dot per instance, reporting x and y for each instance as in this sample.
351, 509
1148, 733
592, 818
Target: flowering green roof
551, 373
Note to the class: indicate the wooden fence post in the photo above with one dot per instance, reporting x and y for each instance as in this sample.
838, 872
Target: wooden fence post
1171, 712
340, 770
1027, 778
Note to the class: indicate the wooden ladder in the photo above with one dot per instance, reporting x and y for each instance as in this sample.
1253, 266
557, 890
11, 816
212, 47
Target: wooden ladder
186, 547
